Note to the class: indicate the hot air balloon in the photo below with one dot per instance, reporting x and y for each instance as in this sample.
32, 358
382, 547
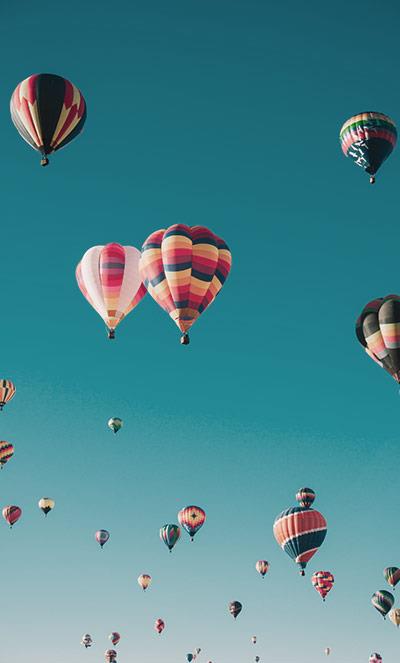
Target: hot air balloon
102, 536
170, 534
382, 602
184, 269
48, 112
257, 658
375, 658
159, 626
110, 655
300, 531
392, 575
394, 616
191, 518
262, 567
198, 650
115, 423
86, 640
189, 657
368, 138
7, 391
327, 651
323, 582
6, 452
235, 608
377, 330
305, 497
46, 505
144, 581
114, 637
11, 514
108, 277
254, 639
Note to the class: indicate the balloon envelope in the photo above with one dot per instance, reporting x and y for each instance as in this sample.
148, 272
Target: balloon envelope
159, 625
394, 616
300, 531
382, 601
144, 581
392, 575
235, 608
48, 112
375, 658
170, 534
7, 392
114, 637
102, 536
86, 640
378, 331
115, 424
46, 504
323, 582
11, 514
108, 277
6, 452
262, 567
191, 518
368, 138
184, 269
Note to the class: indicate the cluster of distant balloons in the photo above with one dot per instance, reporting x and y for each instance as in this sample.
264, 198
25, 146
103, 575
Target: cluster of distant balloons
183, 269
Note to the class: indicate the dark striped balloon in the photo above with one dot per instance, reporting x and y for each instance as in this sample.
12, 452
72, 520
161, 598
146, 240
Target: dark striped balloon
392, 575
48, 111
170, 534
368, 138
378, 331
305, 497
300, 531
235, 608
382, 601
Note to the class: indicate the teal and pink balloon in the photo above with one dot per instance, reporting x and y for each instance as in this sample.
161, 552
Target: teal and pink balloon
392, 575
262, 567
382, 601
375, 658
170, 534
102, 537
235, 608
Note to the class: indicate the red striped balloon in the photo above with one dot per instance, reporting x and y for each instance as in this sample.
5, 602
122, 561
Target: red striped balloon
7, 391
323, 582
184, 269
11, 514
191, 518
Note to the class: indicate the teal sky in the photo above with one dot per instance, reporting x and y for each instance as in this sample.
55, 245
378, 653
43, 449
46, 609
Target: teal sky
224, 114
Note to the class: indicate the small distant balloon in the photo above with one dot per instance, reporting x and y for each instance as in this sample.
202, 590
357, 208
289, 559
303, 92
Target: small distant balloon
257, 658
110, 655
86, 640
262, 567
170, 534
323, 582
12, 514
115, 423
375, 658
394, 616
235, 608
382, 601
327, 651
102, 536
46, 504
198, 650
144, 581
191, 518
254, 639
159, 626
392, 575
6, 452
114, 637
7, 392
189, 657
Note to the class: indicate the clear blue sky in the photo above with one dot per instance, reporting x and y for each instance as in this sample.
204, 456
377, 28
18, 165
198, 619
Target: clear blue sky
227, 114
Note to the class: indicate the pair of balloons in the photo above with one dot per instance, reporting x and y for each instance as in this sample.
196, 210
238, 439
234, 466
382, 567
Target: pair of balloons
301, 530
183, 268
191, 518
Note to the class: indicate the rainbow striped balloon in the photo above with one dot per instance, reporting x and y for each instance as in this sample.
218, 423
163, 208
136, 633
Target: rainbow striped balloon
7, 392
6, 452
191, 518
184, 269
368, 138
